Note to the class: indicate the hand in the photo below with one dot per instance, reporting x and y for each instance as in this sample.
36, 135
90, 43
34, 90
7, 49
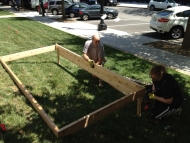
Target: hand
151, 95
91, 63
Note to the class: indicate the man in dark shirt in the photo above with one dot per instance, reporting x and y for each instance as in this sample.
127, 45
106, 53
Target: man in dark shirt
166, 93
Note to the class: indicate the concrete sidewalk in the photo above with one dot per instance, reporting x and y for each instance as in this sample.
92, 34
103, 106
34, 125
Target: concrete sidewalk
132, 44
133, 4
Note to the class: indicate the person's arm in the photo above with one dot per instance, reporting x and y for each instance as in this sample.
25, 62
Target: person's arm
163, 100
153, 88
99, 62
86, 57
101, 56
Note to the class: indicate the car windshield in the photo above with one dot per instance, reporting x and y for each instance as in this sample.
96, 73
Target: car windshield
171, 1
164, 13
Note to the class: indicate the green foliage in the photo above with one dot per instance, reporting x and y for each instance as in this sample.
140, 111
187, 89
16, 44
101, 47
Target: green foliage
67, 92
2, 13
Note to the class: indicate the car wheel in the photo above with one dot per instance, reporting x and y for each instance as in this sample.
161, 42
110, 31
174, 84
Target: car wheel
54, 12
169, 7
110, 15
72, 15
176, 32
85, 17
108, 4
152, 7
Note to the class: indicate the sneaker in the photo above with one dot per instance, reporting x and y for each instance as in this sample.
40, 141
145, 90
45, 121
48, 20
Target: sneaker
177, 112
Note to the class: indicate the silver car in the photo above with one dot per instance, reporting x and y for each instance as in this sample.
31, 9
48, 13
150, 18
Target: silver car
55, 6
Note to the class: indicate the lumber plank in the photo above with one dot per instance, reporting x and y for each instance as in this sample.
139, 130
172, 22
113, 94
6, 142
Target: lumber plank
32, 100
28, 53
95, 116
130, 89
84, 65
58, 57
121, 83
139, 100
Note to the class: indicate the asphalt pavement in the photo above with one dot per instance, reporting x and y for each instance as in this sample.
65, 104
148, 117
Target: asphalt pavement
123, 41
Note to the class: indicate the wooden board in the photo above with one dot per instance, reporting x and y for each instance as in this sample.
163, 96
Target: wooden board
122, 84
29, 53
131, 90
32, 100
95, 116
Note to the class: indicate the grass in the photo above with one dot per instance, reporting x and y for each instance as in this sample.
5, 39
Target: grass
67, 92
2, 13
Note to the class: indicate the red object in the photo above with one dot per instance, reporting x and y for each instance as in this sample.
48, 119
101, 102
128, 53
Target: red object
45, 6
80, 12
163, 20
3, 127
146, 107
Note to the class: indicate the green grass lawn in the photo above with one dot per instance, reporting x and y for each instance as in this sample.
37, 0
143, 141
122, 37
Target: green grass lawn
2, 12
67, 92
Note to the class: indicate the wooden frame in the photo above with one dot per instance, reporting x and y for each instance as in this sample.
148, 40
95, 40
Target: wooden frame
131, 90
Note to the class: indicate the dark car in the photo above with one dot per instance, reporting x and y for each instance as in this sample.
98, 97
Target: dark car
73, 10
90, 2
93, 11
109, 2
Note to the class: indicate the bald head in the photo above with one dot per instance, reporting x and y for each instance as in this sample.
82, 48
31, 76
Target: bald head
96, 39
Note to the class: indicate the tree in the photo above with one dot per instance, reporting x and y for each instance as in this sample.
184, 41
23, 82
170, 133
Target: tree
186, 41
63, 10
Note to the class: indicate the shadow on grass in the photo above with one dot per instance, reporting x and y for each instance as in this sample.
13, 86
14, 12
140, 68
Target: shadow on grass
121, 126
70, 106
20, 19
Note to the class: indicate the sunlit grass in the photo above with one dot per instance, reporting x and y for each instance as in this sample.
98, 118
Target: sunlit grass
67, 92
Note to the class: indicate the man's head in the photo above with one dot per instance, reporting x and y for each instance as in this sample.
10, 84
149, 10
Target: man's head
96, 39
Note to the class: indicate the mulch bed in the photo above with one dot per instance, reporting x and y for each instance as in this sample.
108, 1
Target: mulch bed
170, 47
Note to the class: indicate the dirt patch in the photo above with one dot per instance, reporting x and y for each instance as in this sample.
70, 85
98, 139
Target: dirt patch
170, 47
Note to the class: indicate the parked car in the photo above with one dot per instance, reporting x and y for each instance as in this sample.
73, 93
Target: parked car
172, 20
55, 6
109, 2
89, 2
93, 11
161, 4
73, 10
35, 3
45, 7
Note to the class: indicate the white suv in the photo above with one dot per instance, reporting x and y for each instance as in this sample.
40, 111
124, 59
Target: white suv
172, 20
161, 4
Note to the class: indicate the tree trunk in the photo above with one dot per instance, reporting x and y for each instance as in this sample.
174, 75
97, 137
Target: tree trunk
63, 10
186, 41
